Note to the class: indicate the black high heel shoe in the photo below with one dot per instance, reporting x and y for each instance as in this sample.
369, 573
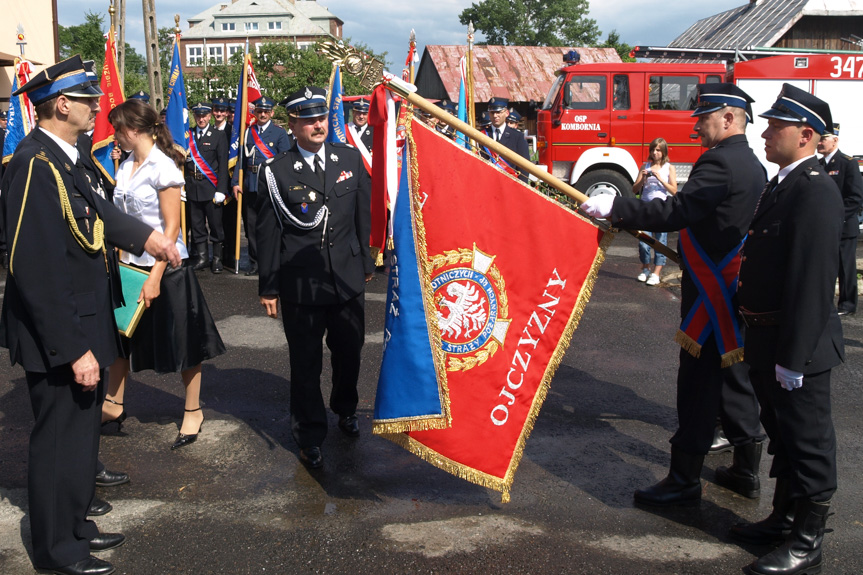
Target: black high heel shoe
118, 420
183, 439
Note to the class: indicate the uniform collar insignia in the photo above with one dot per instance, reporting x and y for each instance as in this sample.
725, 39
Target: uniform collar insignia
334, 158
298, 166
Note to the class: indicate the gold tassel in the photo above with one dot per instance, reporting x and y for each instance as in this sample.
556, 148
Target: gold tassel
690, 345
732, 357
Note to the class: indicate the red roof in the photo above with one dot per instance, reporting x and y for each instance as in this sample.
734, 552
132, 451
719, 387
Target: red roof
520, 73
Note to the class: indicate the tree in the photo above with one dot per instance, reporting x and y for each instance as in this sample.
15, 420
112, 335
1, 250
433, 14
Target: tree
533, 22
623, 49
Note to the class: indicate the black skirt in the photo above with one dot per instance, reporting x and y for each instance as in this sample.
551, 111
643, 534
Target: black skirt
177, 331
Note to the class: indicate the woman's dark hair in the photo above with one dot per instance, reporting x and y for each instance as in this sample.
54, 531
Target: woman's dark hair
136, 115
663, 146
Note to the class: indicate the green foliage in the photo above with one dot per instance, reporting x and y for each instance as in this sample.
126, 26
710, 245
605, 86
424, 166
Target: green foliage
533, 22
623, 49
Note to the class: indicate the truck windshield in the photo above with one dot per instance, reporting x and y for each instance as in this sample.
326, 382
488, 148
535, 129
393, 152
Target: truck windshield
552, 94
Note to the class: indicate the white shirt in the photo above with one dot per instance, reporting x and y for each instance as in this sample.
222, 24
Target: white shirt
69, 149
787, 169
138, 195
829, 156
309, 157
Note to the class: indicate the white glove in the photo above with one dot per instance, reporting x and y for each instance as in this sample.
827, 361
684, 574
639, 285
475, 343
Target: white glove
598, 206
219, 198
788, 379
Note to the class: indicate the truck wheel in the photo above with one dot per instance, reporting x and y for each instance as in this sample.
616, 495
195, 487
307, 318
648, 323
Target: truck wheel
604, 182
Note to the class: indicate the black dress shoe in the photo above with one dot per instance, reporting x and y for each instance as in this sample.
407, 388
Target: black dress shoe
105, 541
349, 426
253, 270
846, 312
107, 478
89, 566
311, 457
99, 507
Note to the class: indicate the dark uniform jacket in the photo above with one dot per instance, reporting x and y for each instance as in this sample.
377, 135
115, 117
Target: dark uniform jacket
213, 147
58, 302
514, 140
295, 263
846, 173
278, 141
368, 137
716, 203
790, 263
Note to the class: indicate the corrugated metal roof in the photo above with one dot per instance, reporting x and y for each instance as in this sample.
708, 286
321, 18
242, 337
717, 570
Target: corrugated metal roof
520, 73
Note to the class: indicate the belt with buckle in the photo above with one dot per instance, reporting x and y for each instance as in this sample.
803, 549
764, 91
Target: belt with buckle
762, 319
253, 169
198, 176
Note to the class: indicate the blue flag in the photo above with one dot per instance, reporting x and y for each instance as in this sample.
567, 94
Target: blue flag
18, 124
462, 115
410, 331
177, 113
239, 110
336, 119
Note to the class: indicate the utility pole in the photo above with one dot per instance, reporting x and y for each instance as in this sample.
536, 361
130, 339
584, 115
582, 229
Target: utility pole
121, 40
154, 68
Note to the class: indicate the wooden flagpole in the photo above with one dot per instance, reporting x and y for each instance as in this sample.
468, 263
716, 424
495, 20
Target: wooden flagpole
244, 105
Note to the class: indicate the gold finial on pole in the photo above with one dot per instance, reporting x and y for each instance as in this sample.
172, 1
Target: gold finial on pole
21, 39
177, 24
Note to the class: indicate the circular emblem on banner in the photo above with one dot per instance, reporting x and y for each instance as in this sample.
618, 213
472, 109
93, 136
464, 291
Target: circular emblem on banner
471, 306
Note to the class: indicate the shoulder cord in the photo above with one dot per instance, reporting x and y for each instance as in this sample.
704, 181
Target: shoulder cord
281, 209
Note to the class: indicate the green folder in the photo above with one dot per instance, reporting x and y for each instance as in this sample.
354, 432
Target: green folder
129, 315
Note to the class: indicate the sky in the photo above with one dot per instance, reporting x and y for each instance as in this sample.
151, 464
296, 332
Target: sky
385, 25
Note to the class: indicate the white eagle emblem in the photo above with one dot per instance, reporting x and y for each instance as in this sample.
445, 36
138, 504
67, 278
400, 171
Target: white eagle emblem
298, 166
466, 311
334, 158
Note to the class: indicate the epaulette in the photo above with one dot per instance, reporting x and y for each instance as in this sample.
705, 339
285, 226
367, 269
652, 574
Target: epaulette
278, 156
847, 157
341, 145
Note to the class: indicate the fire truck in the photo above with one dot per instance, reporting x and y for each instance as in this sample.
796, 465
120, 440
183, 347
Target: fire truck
595, 127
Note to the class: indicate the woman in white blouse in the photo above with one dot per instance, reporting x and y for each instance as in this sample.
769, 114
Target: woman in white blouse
177, 332
657, 180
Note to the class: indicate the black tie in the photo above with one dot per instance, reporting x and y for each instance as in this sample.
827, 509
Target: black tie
768, 189
497, 134
319, 170
823, 161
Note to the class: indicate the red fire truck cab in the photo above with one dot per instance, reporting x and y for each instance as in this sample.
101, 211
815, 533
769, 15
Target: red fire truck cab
595, 127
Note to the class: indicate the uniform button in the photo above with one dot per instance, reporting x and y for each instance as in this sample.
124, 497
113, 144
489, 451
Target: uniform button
331, 244
739, 284
331, 229
751, 232
52, 352
764, 231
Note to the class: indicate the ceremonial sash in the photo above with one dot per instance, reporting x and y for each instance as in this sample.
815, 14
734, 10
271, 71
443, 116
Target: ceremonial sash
355, 140
712, 311
259, 143
500, 163
201, 163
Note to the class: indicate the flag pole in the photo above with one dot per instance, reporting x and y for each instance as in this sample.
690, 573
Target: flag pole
113, 13
417, 101
471, 113
413, 47
244, 97
177, 31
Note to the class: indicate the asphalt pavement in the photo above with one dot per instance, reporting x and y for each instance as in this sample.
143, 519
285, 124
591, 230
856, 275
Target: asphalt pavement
238, 500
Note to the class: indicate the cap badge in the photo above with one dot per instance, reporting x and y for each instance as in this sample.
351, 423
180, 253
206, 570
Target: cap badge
308, 94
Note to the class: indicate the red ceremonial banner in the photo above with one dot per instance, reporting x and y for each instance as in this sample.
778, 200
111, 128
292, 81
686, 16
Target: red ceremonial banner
511, 273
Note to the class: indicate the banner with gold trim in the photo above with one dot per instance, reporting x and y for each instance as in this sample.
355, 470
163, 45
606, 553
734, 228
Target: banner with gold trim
501, 275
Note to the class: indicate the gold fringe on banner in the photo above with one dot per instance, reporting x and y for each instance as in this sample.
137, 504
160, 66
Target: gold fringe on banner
690, 345
460, 470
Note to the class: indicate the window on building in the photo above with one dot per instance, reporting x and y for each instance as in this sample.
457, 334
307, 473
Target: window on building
228, 26
194, 55
305, 45
251, 26
274, 25
673, 92
234, 49
216, 55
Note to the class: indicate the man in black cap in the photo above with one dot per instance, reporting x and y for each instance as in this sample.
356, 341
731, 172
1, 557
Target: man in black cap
220, 116
57, 319
794, 335
206, 187
846, 173
221, 109
360, 126
712, 212
498, 110
314, 221
442, 127
263, 140
513, 119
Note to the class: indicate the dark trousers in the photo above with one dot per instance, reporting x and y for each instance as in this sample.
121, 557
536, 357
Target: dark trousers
64, 445
848, 274
204, 214
800, 427
250, 218
706, 390
229, 227
344, 324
